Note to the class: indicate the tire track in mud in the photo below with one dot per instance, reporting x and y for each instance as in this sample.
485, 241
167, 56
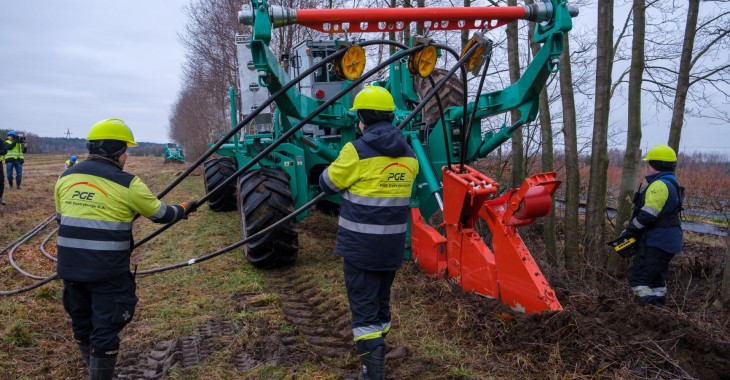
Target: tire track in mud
318, 328
188, 351
322, 322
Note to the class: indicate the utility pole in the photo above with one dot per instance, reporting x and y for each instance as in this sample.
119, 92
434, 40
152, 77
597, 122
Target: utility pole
68, 133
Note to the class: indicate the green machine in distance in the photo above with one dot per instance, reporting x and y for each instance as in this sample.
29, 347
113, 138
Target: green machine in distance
174, 153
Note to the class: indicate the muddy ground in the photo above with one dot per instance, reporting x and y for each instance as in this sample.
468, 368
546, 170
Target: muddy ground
600, 334
296, 325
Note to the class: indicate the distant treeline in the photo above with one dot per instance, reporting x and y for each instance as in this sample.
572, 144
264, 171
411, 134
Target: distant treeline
77, 146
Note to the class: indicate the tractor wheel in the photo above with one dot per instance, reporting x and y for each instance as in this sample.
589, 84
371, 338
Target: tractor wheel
218, 170
451, 94
264, 198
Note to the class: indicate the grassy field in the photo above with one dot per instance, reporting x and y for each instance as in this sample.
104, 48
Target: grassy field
224, 319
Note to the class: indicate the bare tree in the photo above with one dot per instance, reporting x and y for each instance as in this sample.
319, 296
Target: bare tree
596, 201
513, 58
571, 252
546, 161
685, 62
632, 154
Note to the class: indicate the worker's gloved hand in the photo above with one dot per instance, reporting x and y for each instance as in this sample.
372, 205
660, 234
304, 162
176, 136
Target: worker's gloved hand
190, 206
625, 234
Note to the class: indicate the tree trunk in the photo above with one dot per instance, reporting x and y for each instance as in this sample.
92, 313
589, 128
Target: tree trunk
513, 59
571, 252
632, 156
596, 202
725, 289
685, 66
546, 137
465, 33
391, 35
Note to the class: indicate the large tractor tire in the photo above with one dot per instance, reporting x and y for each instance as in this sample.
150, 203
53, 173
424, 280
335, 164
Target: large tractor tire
264, 198
451, 94
216, 171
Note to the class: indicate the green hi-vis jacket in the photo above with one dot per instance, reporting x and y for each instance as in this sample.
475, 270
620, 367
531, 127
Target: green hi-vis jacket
96, 203
15, 151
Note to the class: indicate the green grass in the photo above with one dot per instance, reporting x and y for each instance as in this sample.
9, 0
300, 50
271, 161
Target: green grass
18, 335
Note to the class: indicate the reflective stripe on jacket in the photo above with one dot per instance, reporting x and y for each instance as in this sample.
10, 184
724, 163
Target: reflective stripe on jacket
96, 203
376, 175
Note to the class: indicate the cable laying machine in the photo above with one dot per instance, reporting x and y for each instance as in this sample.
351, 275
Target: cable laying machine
281, 154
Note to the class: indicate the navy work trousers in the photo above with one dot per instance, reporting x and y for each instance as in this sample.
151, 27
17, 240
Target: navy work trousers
650, 267
100, 310
368, 293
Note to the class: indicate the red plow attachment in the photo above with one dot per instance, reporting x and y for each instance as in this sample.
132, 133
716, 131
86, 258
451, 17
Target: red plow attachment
507, 271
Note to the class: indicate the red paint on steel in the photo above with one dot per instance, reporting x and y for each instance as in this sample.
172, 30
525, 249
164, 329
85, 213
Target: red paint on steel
395, 19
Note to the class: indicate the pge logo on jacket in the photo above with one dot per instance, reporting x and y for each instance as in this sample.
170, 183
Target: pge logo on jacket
400, 177
84, 193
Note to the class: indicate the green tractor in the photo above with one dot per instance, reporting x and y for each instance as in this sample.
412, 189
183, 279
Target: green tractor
174, 153
271, 164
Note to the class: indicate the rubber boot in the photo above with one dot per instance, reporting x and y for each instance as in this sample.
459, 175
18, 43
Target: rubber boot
658, 301
645, 300
373, 364
18, 180
10, 182
102, 368
85, 350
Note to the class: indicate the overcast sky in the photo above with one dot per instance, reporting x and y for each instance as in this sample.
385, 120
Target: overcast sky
67, 64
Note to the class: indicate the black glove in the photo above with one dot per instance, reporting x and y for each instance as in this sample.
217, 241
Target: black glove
190, 206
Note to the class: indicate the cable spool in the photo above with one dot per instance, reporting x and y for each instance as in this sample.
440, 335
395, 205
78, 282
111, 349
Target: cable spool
423, 62
536, 203
350, 65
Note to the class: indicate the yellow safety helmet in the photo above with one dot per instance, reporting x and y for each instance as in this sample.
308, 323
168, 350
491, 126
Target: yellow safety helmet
373, 98
661, 152
111, 129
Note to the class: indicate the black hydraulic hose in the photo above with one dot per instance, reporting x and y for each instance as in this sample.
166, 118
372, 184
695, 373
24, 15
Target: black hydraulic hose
235, 245
25, 238
32, 231
246, 120
438, 86
30, 287
45, 241
465, 89
473, 113
255, 113
293, 130
443, 123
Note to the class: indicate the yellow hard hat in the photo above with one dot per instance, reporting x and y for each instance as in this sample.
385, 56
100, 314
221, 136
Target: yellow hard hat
661, 152
373, 98
111, 129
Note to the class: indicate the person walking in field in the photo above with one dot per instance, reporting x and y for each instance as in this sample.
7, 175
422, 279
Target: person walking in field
3, 152
96, 203
14, 159
375, 175
656, 224
70, 162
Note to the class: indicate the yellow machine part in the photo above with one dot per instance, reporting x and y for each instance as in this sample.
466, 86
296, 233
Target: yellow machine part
477, 59
423, 62
352, 64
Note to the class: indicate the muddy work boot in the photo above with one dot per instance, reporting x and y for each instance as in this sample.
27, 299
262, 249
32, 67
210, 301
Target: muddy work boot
19, 180
372, 360
102, 368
